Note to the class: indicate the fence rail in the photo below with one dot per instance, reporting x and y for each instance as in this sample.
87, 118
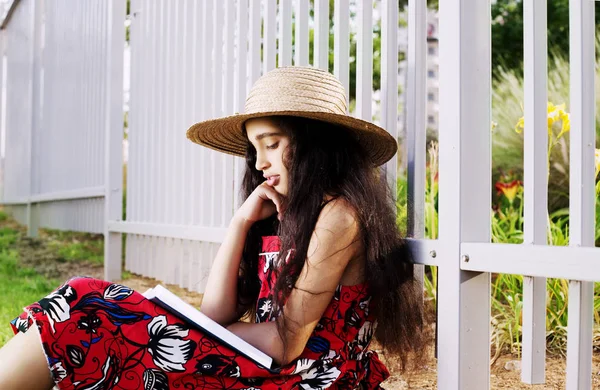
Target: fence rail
193, 60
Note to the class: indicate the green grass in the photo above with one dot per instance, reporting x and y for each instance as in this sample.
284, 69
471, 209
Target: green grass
19, 287
22, 285
75, 246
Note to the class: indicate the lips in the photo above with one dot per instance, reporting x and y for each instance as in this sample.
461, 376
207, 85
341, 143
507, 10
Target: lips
272, 180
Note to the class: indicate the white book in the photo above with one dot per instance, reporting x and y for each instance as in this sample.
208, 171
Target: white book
171, 302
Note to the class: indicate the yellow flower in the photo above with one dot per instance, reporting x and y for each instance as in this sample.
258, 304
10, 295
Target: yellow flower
494, 125
552, 114
597, 162
520, 125
555, 114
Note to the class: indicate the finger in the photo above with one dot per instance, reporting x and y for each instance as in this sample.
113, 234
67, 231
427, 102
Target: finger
273, 196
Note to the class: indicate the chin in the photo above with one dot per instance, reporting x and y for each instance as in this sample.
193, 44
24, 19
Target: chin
280, 190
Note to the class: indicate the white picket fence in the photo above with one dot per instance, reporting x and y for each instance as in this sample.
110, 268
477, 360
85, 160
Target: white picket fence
192, 60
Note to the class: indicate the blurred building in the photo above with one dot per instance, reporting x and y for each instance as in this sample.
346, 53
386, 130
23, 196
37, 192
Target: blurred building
432, 71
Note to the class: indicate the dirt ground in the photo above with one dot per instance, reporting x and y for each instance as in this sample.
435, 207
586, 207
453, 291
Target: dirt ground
505, 372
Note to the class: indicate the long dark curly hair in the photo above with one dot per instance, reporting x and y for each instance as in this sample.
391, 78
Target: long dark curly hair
325, 160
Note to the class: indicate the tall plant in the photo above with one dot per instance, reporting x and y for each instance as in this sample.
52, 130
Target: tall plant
507, 108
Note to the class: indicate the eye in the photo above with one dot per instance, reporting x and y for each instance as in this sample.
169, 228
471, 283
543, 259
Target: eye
273, 146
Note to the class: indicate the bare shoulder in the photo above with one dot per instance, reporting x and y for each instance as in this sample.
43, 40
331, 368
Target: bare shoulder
339, 216
336, 231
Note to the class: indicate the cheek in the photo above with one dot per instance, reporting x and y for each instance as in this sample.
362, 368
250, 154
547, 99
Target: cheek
286, 158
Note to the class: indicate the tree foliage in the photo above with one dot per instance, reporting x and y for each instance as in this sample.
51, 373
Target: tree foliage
507, 32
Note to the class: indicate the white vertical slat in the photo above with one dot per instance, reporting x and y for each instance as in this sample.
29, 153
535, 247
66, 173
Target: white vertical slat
102, 80
254, 43
582, 188
416, 129
153, 156
198, 153
149, 18
3, 80
240, 87
71, 90
190, 108
148, 90
36, 21
228, 102
86, 89
186, 118
285, 33
321, 36
464, 188
178, 155
53, 125
130, 188
217, 74
241, 55
168, 130
416, 112
146, 19
196, 114
206, 203
80, 96
341, 44
165, 76
113, 137
217, 70
177, 128
228, 58
535, 185
301, 17
364, 63
89, 90
134, 119
389, 80
270, 35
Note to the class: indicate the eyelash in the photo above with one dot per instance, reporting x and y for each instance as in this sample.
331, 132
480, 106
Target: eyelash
274, 146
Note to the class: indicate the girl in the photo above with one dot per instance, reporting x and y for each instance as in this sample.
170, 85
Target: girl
311, 269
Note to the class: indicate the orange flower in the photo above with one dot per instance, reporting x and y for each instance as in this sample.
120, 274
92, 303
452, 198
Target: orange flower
509, 189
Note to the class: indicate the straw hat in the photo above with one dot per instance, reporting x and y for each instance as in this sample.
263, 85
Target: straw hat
294, 91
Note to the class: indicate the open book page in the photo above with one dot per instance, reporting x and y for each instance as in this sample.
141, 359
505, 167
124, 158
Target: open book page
171, 302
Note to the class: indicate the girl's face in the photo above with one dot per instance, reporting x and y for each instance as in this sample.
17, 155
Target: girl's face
271, 144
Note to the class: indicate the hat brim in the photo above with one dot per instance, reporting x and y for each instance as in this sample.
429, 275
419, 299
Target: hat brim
226, 134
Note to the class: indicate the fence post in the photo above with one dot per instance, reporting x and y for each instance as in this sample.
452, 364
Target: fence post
535, 186
582, 188
32, 210
415, 129
113, 158
389, 82
3, 43
464, 188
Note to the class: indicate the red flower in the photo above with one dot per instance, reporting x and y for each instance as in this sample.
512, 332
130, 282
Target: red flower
509, 189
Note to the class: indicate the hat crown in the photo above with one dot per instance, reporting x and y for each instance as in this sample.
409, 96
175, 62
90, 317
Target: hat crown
297, 89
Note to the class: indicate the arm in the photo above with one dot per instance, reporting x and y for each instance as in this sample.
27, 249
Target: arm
333, 243
220, 297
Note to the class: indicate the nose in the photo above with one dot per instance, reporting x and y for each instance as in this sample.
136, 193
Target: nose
261, 162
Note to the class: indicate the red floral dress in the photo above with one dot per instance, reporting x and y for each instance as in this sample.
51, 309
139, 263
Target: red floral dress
100, 335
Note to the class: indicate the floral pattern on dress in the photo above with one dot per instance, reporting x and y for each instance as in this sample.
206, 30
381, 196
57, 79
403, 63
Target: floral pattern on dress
101, 335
